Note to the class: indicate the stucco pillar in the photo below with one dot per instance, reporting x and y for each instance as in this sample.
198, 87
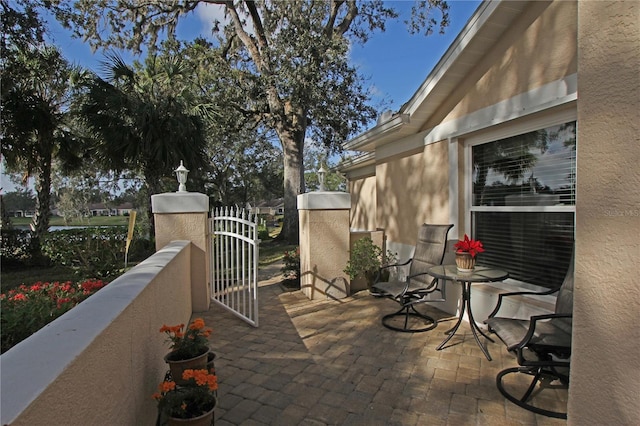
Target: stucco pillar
184, 216
324, 244
605, 355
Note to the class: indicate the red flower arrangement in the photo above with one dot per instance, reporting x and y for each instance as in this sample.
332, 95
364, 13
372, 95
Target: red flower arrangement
469, 245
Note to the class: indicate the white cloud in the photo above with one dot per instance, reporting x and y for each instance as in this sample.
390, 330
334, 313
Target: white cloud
209, 13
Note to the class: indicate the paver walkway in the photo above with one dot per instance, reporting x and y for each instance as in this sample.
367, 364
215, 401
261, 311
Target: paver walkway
333, 363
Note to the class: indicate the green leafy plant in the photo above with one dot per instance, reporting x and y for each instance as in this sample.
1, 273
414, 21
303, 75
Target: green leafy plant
26, 309
93, 251
366, 260
187, 344
194, 399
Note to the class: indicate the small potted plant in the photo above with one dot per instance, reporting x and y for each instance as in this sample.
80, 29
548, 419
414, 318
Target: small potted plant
191, 404
189, 348
365, 261
466, 251
291, 268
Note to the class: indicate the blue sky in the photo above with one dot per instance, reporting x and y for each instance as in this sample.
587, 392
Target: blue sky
395, 62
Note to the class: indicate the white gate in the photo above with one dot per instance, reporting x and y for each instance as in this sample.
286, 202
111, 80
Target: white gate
234, 262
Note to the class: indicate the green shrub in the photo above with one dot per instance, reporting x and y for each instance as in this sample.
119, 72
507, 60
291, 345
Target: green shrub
14, 247
366, 259
27, 309
94, 251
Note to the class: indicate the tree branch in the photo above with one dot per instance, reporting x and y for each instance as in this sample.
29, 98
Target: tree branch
352, 12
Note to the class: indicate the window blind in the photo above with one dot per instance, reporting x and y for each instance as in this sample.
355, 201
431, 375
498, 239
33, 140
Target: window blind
523, 204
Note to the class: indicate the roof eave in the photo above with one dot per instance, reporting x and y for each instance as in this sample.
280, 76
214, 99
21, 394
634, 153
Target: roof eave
363, 141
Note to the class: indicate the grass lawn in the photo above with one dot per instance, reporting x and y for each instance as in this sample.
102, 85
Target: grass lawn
89, 221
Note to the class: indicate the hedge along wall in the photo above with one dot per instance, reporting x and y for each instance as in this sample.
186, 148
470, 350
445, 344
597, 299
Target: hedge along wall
100, 362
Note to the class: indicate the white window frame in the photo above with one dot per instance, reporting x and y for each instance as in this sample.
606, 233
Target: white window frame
518, 127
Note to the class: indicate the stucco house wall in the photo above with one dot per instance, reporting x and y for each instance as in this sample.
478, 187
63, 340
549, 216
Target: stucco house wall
411, 190
412, 171
363, 203
537, 49
605, 372
515, 68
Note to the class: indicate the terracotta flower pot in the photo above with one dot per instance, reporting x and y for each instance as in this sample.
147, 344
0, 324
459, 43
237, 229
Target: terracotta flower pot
178, 366
465, 262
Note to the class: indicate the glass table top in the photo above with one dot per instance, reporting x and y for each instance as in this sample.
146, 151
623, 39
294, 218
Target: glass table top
479, 274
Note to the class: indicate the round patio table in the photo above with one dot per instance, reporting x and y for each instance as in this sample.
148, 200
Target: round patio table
480, 274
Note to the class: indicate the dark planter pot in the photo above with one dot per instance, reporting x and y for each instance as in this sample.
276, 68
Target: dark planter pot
203, 420
177, 366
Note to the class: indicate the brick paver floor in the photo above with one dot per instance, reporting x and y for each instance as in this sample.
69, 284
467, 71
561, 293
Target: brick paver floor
331, 362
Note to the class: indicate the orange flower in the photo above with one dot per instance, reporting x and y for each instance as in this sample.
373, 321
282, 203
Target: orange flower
212, 382
167, 386
202, 378
187, 343
197, 324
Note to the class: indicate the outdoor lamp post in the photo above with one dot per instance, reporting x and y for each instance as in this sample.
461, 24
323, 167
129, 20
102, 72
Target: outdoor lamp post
321, 174
181, 175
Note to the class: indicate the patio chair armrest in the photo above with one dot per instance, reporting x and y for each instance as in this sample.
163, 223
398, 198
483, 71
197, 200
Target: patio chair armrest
433, 281
519, 293
408, 282
532, 327
392, 265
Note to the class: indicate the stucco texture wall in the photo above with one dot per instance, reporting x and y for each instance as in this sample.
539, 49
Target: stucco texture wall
539, 48
324, 251
413, 190
192, 227
605, 369
100, 362
363, 203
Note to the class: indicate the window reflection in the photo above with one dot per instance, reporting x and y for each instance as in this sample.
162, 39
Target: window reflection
522, 187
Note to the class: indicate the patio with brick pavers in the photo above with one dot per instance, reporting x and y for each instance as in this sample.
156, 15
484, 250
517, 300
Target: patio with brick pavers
332, 362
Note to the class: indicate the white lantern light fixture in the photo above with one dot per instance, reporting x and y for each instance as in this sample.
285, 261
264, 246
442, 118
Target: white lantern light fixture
181, 175
321, 174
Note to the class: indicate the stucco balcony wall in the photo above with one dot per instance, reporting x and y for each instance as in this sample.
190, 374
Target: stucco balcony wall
100, 362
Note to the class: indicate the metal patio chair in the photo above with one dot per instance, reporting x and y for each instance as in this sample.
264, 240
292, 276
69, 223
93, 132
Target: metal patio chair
429, 252
542, 344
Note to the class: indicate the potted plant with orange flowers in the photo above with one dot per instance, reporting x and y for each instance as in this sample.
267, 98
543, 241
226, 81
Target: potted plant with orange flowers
189, 348
466, 251
191, 404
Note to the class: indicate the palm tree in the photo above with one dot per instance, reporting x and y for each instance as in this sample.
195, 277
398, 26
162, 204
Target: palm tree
37, 127
144, 120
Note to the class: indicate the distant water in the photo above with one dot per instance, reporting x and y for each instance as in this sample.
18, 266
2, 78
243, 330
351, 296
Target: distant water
61, 228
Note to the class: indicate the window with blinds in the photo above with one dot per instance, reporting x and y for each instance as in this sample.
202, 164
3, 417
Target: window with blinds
523, 203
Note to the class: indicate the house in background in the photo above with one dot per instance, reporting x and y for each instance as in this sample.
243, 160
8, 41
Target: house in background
497, 142
101, 209
268, 207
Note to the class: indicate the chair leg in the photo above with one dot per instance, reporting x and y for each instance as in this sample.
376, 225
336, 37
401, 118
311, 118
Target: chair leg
538, 373
408, 311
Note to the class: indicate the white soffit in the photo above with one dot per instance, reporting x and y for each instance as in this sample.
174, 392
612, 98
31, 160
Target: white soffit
551, 95
481, 32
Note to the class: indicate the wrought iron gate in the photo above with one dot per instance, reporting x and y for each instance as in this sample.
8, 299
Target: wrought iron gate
234, 262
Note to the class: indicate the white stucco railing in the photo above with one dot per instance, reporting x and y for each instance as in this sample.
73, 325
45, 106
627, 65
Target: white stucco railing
100, 362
